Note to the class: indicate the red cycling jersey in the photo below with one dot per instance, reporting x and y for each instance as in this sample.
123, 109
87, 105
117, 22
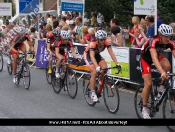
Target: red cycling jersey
146, 59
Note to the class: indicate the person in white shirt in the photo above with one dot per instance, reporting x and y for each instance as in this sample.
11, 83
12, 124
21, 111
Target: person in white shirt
49, 19
100, 19
1, 22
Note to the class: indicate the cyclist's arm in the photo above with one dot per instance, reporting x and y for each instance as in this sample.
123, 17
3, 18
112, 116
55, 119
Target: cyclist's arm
110, 51
155, 60
173, 52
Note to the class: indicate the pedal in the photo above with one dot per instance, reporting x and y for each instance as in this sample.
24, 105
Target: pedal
98, 95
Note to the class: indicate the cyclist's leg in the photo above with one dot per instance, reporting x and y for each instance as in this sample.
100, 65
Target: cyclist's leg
146, 75
58, 63
93, 76
50, 59
14, 63
164, 63
22, 47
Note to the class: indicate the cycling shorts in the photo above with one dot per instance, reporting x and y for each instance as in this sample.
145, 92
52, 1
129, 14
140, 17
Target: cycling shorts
18, 47
146, 67
88, 61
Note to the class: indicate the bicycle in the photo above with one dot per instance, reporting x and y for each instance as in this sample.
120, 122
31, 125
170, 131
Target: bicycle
67, 81
109, 90
23, 70
168, 99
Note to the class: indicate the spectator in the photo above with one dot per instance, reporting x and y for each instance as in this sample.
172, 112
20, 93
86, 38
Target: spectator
41, 22
138, 38
49, 19
64, 20
33, 34
91, 31
135, 21
61, 24
43, 31
86, 36
150, 31
100, 19
78, 29
66, 28
116, 38
115, 22
159, 20
32, 23
173, 26
93, 20
86, 20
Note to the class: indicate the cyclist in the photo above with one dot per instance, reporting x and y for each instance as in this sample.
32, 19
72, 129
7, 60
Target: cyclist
150, 53
50, 45
17, 43
94, 60
60, 50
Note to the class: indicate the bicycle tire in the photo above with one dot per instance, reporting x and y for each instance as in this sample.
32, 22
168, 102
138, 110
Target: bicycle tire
9, 65
87, 93
26, 74
56, 82
167, 102
110, 92
71, 83
138, 105
1, 62
18, 78
48, 76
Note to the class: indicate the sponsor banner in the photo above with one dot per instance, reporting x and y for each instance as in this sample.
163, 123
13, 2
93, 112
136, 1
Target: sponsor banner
6, 9
72, 5
29, 6
145, 7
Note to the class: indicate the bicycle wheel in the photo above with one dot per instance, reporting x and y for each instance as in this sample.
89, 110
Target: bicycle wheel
26, 76
169, 109
48, 76
1, 62
111, 95
56, 82
71, 83
87, 92
18, 78
9, 65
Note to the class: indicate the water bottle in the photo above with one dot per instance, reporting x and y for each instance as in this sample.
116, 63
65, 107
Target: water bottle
161, 90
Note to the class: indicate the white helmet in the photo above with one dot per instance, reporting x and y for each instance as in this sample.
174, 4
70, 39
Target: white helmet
56, 32
100, 34
16, 29
165, 30
65, 34
22, 30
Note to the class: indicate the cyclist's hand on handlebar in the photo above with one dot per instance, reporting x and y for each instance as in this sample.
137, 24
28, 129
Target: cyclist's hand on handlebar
164, 76
119, 67
78, 59
98, 69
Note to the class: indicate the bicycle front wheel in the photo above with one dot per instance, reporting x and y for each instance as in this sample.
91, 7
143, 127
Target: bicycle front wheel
169, 109
9, 65
71, 83
87, 92
26, 76
111, 95
1, 62
56, 82
48, 76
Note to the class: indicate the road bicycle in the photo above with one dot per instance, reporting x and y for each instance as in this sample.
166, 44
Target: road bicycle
23, 70
67, 81
110, 91
154, 102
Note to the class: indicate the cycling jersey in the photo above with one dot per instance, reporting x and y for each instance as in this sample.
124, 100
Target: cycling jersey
92, 46
50, 38
154, 43
62, 46
146, 59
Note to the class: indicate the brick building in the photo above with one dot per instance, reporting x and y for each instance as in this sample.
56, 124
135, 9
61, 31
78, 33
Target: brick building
49, 4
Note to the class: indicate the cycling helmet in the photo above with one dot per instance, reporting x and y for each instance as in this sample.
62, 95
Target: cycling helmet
23, 30
16, 29
65, 34
56, 32
100, 34
165, 30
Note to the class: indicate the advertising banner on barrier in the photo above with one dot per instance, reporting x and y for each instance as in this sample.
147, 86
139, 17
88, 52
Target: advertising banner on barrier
42, 56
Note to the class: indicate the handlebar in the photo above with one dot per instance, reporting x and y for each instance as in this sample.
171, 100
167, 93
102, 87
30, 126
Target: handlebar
105, 69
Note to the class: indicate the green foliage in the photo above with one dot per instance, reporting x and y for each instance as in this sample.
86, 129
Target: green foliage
123, 9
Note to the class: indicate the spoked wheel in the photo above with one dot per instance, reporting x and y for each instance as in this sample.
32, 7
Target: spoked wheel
169, 109
111, 95
9, 65
26, 76
71, 83
56, 82
18, 78
138, 104
87, 92
1, 62
48, 76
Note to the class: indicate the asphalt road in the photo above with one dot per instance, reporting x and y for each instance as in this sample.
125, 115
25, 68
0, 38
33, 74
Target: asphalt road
40, 101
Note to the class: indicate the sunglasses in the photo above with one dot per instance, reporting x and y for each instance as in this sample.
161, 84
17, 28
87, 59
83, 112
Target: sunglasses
102, 39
